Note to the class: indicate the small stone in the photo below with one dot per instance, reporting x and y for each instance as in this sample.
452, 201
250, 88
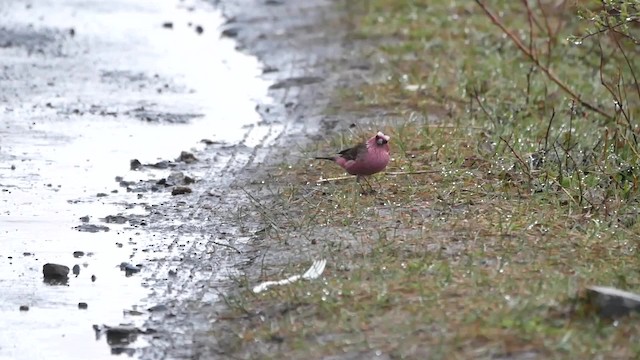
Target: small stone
295, 81
13, 167
83, 305
209, 142
611, 302
132, 312
186, 157
93, 278
181, 190
130, 269
24, 308
121, 335
91, 228
135, 164
199, 29
55, 271
314, 241
115, 219
230, 32
167, 25
85, 218
77, 254
101, 195
27, 254
156, 308
163, 164
175, 178
76, 270
269, 69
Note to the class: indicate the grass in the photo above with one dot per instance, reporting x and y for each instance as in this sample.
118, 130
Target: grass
529, 198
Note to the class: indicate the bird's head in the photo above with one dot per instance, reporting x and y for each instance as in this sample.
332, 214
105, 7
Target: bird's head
379, 141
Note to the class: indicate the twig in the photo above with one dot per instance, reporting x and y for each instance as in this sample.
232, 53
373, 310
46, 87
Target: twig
522, 162
265, 212
613, 28
546, 137
227, 246
550, 35
616, 96
536, 61
412, 172
530, 18
635, 82
477, 97
529, 73
576, 170
392, 173
439, 126
566, 192
340, 178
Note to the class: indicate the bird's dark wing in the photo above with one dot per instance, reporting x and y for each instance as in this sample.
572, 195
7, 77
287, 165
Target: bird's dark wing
354, 152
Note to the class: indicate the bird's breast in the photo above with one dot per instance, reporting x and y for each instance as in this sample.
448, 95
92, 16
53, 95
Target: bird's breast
373, 162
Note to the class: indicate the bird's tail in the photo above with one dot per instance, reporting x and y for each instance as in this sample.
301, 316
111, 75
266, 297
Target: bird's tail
330, 158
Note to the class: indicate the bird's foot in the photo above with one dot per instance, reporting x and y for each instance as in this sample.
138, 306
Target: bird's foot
368, 192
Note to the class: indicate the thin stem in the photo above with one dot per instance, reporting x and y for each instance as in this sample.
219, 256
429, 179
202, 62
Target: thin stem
536, 61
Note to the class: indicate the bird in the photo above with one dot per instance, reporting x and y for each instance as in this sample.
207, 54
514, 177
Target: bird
364, 159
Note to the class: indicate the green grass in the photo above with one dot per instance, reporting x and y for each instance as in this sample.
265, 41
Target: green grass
527, 198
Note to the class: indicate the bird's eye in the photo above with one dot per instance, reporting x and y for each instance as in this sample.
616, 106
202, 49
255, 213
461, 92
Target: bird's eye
380, 141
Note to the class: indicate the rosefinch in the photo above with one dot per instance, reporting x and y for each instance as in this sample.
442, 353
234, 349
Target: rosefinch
365, 158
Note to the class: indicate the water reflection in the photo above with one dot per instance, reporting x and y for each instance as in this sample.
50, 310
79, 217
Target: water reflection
105, 85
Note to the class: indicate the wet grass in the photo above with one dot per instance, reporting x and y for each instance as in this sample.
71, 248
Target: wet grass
505, 198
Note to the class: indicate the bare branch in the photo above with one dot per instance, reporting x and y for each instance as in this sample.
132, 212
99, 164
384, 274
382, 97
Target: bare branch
536, 61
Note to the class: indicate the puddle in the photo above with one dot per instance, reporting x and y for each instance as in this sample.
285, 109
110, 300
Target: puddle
86, 87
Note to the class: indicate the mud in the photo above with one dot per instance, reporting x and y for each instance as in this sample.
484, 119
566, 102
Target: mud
306, 54
77, 104
94, 173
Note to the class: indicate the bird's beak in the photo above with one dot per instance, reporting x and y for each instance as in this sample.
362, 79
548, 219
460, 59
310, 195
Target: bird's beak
381, 141
381, 138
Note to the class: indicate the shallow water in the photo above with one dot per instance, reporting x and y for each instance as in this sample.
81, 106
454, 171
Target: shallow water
74, 110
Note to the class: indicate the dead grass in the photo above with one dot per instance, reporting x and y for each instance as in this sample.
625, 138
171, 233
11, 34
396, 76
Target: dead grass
529, 198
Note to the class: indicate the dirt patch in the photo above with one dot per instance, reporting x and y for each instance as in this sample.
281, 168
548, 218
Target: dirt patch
302, 46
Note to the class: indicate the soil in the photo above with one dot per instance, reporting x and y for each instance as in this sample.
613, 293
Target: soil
307, 54
142, 175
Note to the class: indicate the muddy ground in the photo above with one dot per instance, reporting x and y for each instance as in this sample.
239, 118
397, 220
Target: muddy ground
92, 172
307, 55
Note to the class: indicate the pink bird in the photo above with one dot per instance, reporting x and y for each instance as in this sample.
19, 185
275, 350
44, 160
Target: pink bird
365, 158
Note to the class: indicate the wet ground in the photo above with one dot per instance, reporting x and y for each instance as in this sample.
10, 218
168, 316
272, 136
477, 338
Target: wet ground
134, 139
85, 88
307, 53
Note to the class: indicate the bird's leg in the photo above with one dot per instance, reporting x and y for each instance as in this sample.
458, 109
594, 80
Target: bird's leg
371, 191
378, 185
364, 192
